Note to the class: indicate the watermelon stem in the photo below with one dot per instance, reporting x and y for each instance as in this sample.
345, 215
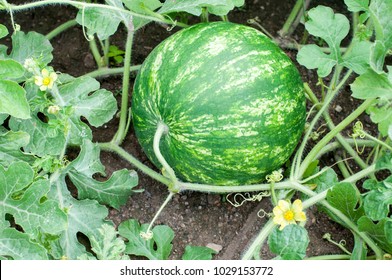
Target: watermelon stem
124, 115
163, 129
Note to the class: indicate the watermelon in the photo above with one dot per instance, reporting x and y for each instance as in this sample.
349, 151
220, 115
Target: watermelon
232, 100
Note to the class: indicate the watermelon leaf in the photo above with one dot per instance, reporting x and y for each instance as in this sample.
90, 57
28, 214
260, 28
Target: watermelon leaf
10, 69
217, 7
103, 22
31, 45
13, 100
3, 31
357, 5
381, 232
136, 245
114, 192
18, 246
23, 198
344, 197
197, 253
290, 243
10, 144
330, 27
379, 198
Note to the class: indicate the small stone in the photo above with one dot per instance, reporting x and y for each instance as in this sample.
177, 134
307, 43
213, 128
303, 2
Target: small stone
338, 108
216, 247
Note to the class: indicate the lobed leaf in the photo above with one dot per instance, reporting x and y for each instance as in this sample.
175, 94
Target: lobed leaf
344, 197
378, 200
21, 197
19, 246
157, 248
371, 85
141, 7
103, 22
43, 139
290, 243
31, 45
10, 148
380, 13
113, 192
380, 232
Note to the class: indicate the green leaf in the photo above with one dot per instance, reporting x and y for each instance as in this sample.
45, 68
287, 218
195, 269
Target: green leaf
371, 85
194, 7
381, 232
42, 139
86, 217
103, 22
357, 5
143, 7
108, 246
325, 180
377, 201
197, 253
385, 162
358, 58
157, 248
332, 28
344, 197
98, 106
18, 246
290, 243
10, 148
380, 13
113, 192
312, 57
26, 207
3, 31
13, 100
10, 69
381, 114
377, 56
31, 45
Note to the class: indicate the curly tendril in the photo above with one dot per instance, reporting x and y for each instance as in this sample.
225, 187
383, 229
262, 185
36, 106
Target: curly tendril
239, 199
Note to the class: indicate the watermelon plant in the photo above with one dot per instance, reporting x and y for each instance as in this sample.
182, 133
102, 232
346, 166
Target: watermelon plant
217, 107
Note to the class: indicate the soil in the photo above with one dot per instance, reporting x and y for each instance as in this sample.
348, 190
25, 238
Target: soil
196, 218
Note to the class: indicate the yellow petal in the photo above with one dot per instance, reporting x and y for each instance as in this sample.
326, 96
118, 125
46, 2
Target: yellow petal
297, 206
284, 205
53, 76
278, 220
300, 217
45, 72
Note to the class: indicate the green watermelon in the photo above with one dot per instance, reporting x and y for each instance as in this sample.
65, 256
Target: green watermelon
232, 100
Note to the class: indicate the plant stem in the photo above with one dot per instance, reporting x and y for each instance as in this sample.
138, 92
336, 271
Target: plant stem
378, 141
324, 141
79, 5
260, 239
105, 71
96, 54
111, 147
61, 28
168, 198
288, 25
122, 128
329, 257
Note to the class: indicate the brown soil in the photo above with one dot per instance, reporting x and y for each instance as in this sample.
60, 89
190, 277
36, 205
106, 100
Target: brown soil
196, 218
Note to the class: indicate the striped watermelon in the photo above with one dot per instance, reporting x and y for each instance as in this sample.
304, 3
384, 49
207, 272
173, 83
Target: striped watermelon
233, 102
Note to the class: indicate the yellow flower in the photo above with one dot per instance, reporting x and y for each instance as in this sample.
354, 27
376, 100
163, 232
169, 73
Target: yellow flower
286, 213
45, 81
